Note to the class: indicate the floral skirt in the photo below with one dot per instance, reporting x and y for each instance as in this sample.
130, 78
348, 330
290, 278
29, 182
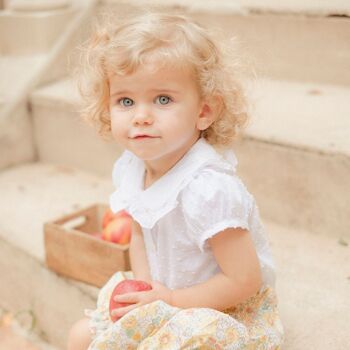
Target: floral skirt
254, 324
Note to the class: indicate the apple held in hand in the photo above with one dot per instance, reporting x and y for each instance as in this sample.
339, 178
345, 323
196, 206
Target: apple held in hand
116, 227
123, 287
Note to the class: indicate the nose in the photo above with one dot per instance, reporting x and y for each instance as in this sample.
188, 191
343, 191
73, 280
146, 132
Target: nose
142, 116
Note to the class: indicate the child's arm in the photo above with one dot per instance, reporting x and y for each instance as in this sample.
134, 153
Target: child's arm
239, 279
137, 253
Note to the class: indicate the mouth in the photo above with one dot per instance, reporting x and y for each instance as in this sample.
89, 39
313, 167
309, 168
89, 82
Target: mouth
140, 137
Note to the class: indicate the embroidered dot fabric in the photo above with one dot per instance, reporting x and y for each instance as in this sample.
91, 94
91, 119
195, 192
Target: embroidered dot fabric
196, 199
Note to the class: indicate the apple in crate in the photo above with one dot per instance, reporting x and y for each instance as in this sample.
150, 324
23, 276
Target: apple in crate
123, 287
117, 228
108, 216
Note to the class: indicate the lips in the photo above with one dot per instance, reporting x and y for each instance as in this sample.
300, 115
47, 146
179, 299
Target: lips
143, 136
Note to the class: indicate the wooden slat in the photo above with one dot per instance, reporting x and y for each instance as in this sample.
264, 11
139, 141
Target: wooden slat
79, 255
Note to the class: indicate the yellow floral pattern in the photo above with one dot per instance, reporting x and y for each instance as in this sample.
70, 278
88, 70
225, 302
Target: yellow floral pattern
254, 324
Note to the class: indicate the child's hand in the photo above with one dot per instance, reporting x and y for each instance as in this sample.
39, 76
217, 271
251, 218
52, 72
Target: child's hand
136, 299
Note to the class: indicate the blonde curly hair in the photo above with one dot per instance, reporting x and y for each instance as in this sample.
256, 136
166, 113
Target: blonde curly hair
172, 40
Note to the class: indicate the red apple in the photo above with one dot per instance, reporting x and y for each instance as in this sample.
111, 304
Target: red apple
122, 214
109, 216
118, 230
126, 286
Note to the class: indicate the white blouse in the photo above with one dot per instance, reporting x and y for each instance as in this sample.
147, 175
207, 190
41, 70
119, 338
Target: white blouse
196, 199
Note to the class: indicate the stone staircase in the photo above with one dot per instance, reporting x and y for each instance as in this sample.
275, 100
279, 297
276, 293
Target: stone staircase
295, 159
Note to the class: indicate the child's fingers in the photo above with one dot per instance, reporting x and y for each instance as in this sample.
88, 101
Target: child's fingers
121, 311
129, 297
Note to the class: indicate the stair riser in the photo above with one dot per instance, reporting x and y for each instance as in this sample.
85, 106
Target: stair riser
61, 137
28, 285
296, 188
31, 33
16, 140
292, 47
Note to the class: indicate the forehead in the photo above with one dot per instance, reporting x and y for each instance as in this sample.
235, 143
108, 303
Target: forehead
153, 76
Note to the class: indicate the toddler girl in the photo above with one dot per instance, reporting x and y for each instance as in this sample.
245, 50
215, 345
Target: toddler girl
162, 88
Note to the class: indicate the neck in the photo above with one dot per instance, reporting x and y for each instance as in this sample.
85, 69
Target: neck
153, 172
155, 169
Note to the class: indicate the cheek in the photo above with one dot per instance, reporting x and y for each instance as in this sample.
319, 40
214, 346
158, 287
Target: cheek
117, 127
183, 117
114, 125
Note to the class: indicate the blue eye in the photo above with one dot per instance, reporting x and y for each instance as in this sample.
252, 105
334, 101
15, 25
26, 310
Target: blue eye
126, 102
163, 100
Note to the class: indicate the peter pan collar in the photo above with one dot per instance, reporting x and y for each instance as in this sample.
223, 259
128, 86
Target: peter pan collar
149, 205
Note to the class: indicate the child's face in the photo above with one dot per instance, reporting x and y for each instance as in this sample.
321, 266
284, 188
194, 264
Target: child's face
154, 113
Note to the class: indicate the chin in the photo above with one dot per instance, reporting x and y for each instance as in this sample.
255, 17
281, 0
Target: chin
145, 155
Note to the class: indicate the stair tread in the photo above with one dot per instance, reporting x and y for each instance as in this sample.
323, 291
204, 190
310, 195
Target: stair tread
313, 285
311, 7
17, 66
310, 116
299, 6
12, 338
315, 116
62, 92
41, 192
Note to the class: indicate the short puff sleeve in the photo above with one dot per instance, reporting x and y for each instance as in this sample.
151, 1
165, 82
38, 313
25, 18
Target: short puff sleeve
214, 201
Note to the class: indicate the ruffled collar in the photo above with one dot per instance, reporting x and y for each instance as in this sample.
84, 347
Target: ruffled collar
149, 205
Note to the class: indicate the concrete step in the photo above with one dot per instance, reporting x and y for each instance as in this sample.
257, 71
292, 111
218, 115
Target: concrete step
57, 190
31, 32
56, 302
31, 195
17, 66
310, 149
14, 336
296, 156
313, 276
45, 38
307, 116
298, 7
313, 287
55, 118
302, 41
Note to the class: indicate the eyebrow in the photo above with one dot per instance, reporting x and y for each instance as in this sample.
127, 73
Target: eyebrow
121, 92
166, 90
127, 92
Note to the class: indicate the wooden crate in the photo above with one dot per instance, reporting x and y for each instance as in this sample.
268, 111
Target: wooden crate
72, 251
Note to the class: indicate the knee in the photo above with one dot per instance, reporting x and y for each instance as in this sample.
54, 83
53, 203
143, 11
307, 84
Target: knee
79, 337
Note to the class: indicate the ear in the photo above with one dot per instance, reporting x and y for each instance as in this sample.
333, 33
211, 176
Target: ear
210, 111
